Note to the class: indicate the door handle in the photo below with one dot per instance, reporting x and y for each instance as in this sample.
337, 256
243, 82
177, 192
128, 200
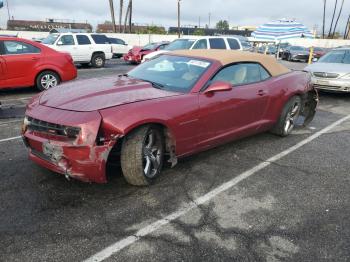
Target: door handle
261, 93
35, 58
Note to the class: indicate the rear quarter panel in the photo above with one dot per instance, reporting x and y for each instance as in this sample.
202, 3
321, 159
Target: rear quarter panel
282, 88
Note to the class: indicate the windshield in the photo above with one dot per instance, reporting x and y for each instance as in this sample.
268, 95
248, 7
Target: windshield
180, 44
336, 56
50, 40
173, 73
297, 48
149, 46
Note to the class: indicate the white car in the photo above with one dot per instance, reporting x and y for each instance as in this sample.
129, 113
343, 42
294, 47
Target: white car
177, 44
84, 48
218, 42
119, 47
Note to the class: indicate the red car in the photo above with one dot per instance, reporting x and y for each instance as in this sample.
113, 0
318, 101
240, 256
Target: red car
27, 63
172, 106
136, 54
319, 52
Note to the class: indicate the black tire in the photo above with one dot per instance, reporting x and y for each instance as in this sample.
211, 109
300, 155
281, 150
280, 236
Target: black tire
46, 80
98, 60
290, 113
139, 153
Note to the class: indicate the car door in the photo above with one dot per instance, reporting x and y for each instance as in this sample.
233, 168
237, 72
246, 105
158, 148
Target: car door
200, 44
66, 43
2, 66
19, 61
217, 43
84, 48
230, 113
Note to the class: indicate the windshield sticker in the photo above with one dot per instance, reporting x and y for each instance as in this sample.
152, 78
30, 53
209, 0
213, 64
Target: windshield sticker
199, 63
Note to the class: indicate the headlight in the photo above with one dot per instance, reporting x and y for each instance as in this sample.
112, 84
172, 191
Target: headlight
25, 124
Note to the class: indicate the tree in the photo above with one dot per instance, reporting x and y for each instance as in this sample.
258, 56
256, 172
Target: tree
121, 3
324, 18
336, 22
199, 31
222, 25
335, 8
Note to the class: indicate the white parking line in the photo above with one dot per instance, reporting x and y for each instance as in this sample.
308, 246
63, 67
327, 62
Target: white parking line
10, 139
15, 99
127, 241
10, 122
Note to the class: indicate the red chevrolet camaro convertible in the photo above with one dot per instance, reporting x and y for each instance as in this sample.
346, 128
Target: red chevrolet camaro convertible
169, 107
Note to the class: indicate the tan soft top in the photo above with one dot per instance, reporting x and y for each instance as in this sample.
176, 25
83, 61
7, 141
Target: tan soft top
230, 56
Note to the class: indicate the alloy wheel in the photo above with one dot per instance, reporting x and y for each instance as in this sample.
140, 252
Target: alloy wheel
47, 81
291, 117
152, 154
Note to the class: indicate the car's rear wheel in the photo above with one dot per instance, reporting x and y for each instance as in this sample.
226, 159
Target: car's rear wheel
46, 80
142, 155
98, 60
289, 116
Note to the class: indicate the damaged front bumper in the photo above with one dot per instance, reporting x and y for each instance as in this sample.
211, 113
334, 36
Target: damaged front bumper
75, 155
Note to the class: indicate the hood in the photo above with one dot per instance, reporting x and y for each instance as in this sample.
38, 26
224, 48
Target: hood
99, 93
338, 68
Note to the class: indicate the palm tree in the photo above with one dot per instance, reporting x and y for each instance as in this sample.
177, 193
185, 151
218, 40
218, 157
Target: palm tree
336, 22
126, 16
324, 17
335, 8
130, 16
121, 3
111, 5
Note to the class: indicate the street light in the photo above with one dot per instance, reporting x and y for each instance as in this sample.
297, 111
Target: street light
178, 19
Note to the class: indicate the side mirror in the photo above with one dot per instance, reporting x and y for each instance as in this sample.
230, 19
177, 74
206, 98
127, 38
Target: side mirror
314, 59
60, 43
218, 86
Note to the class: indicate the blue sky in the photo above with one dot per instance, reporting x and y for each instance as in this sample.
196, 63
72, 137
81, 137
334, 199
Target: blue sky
163, 12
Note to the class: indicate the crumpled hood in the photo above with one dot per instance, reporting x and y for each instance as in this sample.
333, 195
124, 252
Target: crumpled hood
136, 49
338, 68
99, 93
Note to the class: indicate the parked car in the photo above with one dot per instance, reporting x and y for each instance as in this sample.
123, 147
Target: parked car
218, 42
332, 71
178, 44
136, 54
318, 52
296, 53
84, 48
119, 47
281, 48
25, 63
175, 105
271, 50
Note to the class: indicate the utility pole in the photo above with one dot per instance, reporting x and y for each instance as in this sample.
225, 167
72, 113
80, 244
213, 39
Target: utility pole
178, 19
209, 19
199, 22
347, 28
324, 18
111, 6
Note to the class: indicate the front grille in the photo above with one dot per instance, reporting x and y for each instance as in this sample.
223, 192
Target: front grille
325, 75
52, 129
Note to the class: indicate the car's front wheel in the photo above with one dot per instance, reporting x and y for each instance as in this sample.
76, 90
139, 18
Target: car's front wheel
289, 116
142, 155
46, 80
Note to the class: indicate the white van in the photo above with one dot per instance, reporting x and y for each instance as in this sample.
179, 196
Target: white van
218, 42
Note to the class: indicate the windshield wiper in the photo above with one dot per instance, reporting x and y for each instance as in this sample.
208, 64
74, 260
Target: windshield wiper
154, 84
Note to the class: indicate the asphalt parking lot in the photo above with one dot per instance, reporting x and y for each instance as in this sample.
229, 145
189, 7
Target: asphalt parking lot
262, 198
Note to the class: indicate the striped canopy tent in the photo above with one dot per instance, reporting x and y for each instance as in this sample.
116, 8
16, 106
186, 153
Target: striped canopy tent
281, 30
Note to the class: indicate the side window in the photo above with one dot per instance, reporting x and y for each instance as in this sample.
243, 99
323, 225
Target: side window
66, 40
83, 40
233, 43
17, 48
120, 42
240, 74
264, 74
217, 43
201, 44
162, 47
100, 39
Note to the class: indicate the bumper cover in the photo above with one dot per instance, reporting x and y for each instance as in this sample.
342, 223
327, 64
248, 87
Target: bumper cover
335, 85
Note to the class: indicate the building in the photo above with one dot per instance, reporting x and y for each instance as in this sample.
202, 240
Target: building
208, 31
46, 26
136, 29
